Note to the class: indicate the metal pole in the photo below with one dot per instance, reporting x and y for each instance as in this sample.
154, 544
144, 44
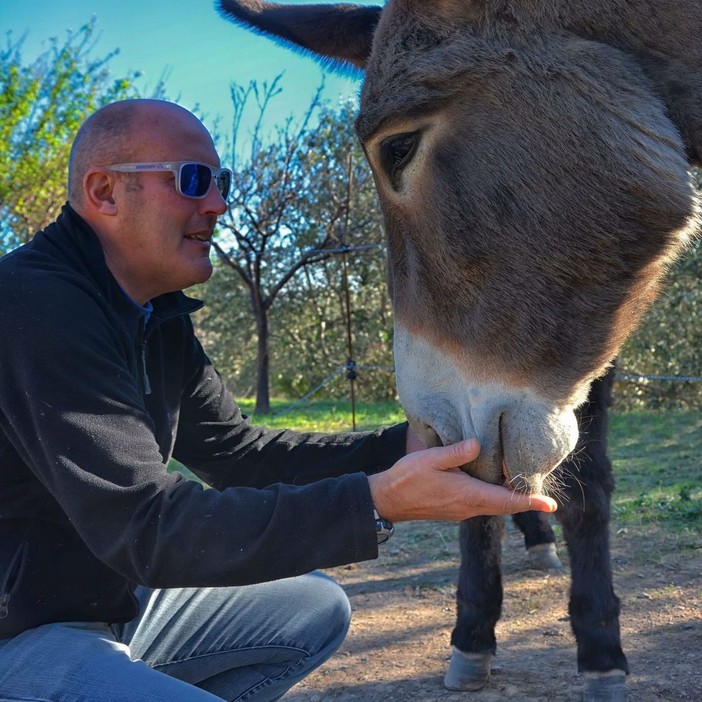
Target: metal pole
350, 363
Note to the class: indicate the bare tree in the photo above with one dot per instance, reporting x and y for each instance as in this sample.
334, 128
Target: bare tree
289, 204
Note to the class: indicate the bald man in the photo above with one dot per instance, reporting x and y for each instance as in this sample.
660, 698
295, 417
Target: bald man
120, 581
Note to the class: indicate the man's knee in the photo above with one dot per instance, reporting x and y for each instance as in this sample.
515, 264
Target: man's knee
331, 605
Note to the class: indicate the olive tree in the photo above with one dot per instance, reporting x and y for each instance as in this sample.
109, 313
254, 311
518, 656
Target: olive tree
42, 104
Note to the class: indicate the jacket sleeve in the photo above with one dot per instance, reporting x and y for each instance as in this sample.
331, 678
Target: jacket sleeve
74, 413
221, 446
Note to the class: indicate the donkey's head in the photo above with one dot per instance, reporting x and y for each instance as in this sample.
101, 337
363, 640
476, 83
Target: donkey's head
531, 158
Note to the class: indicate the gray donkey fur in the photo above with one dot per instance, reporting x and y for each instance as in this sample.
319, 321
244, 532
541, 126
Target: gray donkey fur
531, 158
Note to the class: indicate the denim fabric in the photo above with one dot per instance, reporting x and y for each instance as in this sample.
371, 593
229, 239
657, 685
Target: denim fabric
191, 645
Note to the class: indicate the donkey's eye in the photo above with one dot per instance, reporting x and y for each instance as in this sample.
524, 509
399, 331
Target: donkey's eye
395, 154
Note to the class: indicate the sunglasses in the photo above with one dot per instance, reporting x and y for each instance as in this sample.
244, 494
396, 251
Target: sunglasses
192, 179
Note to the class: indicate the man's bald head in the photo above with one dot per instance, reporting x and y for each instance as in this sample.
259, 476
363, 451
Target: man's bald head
120, 133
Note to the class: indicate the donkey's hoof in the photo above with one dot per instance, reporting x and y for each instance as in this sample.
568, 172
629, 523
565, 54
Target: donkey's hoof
605, 687
467, 671
543, 557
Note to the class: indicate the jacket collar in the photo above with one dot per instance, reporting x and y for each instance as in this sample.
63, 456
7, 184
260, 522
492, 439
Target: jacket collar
74, 240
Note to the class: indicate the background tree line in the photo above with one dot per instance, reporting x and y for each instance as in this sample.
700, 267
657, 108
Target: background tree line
300, 247
41, 107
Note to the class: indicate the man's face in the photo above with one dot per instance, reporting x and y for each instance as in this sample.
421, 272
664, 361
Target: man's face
161, 240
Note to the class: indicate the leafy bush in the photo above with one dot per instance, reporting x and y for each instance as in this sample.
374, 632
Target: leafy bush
668, 342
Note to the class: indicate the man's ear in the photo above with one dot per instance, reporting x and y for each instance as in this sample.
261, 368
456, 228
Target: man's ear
98, 192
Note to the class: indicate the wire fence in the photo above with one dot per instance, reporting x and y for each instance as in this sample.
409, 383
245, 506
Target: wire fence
638, 377
351, 369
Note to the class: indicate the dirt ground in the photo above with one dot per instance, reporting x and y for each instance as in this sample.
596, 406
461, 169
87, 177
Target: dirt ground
403, 603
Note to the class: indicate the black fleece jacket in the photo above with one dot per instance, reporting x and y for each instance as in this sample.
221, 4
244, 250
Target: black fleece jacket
93, 404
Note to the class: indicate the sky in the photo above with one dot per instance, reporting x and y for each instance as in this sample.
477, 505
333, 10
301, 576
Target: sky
188, 42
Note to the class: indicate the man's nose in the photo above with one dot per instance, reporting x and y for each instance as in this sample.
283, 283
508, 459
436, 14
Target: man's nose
213, 202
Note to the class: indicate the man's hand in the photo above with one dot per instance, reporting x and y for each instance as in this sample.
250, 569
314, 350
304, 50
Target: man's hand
430, 485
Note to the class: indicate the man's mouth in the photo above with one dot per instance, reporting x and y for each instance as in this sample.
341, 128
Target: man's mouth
199, 237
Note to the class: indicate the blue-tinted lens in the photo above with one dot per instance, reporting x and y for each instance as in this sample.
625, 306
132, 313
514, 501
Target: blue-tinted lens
224, 182
195, 179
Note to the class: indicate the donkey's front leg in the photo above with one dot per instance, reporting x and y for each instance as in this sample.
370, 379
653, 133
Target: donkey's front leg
594, 607
479, 604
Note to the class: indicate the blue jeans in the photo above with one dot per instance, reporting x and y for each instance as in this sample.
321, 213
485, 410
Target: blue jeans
187, 645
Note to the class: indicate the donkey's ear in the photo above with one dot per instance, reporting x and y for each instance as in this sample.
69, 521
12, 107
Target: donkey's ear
339, 33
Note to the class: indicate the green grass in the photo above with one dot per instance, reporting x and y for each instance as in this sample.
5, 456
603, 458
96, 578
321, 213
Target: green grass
656, 456
657, 460
325, 415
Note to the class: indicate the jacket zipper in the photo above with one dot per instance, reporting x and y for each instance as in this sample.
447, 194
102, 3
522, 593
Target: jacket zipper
142, 343
144, 335
10, 580
144, 374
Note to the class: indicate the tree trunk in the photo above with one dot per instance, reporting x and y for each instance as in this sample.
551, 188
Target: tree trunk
263, 397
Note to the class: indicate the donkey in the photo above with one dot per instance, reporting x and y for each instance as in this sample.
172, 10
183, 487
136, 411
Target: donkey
532, 161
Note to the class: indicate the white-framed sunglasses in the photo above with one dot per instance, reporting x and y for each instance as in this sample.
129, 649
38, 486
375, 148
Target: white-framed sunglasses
192, 178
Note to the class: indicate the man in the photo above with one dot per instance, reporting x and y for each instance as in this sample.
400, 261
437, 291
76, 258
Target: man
119, 580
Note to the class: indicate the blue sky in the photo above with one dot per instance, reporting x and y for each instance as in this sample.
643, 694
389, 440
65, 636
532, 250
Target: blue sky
200, 52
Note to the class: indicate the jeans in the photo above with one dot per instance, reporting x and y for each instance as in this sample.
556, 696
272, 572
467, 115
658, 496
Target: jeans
190, 645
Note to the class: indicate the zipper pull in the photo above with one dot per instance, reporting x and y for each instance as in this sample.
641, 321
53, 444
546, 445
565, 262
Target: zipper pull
145, 375
4, 602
